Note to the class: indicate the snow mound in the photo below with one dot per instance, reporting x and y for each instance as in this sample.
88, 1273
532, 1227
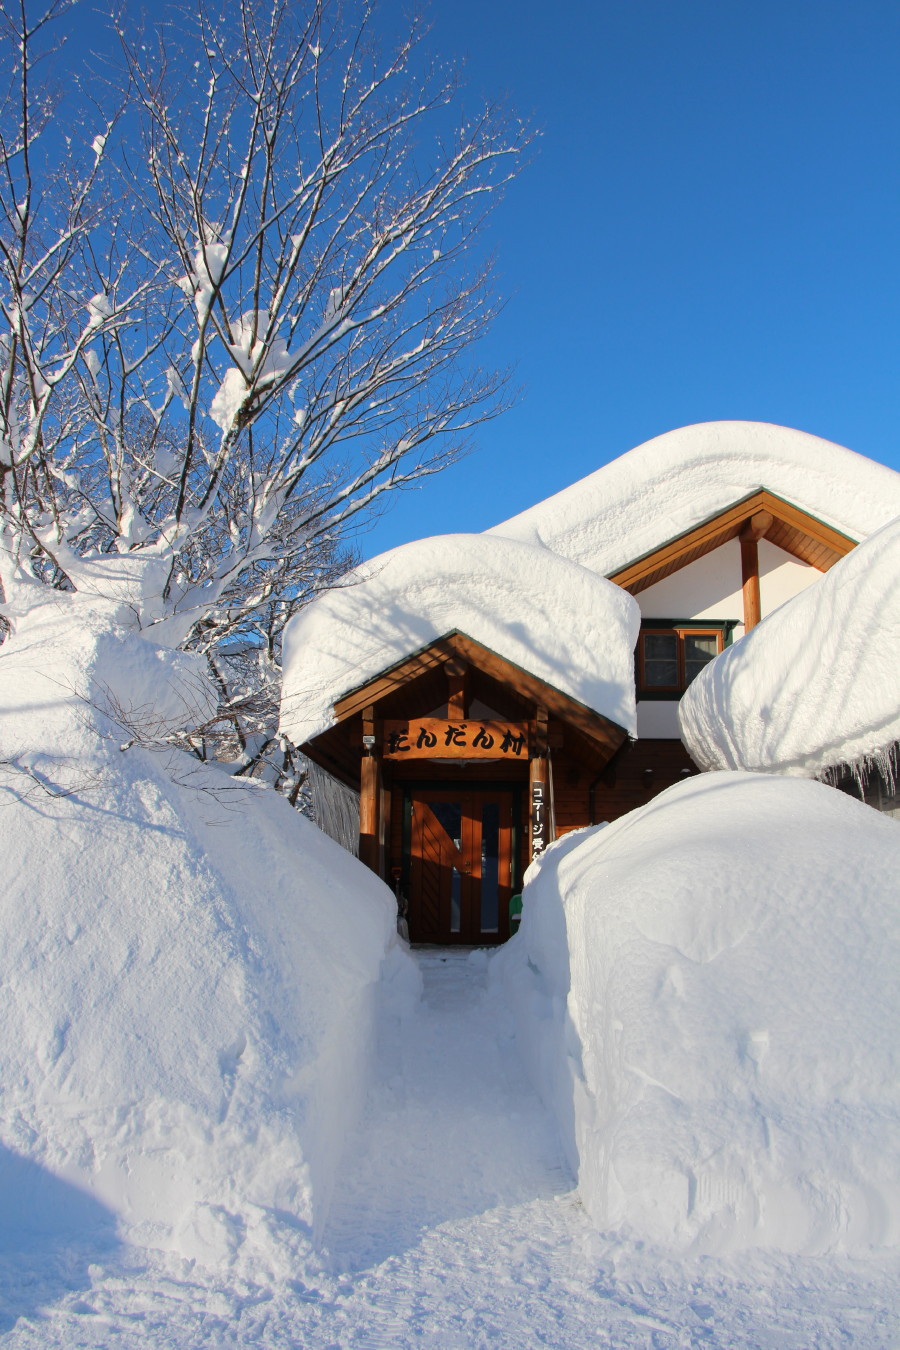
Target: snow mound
706, 994
552, 618
672, 483
815, 684
190, 970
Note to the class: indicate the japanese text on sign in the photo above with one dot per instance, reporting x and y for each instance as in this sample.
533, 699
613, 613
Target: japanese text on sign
434, 738
538, 819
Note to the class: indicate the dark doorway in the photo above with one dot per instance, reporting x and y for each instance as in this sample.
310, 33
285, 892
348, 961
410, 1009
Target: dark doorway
460, 864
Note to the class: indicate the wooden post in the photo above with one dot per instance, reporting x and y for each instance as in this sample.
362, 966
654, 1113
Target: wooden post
457, 679
370, 796
539, 783
753, 531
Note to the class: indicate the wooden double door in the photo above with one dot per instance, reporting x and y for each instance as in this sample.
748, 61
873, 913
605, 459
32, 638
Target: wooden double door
460, 865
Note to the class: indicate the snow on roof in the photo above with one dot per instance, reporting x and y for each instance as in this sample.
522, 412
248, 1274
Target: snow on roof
815, 684
668, 485
552, 618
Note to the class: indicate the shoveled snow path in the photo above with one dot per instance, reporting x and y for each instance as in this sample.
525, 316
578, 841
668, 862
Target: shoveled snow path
454, 1228
453, 1129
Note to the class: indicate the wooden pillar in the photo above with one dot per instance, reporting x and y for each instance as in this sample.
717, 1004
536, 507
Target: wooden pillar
753, 531
370, 796
457, 680
539, 784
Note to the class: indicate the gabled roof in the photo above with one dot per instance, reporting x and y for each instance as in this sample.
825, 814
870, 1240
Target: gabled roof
607, 734
660, 493
795, 531
416, 685
555, 622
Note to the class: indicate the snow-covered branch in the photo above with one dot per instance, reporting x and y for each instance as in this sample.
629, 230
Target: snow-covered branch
237, 298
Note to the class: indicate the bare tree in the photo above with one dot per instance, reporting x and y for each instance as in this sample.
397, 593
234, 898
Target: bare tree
239, 286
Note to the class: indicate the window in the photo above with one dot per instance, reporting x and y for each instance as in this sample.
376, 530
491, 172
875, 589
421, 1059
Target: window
670, 655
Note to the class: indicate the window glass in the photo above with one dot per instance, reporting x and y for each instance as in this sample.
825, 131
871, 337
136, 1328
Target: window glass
661, 660
449, 817
699, 650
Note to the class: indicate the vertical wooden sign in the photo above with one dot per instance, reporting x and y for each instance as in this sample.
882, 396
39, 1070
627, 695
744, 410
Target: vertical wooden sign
539, 775
538, 818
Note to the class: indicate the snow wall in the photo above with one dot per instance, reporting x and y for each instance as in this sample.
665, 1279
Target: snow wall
706, 995
674, 482
816, 683
190, 969
550, 617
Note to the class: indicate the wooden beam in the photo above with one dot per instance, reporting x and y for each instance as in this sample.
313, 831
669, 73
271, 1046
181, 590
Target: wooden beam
370, 797
607, 736
728, 524
541, 729
758, 525
539, 782
457, 689
322, 752
598, 729
389, 681
750, 579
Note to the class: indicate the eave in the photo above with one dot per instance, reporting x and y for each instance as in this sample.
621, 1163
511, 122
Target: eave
409, 678
792, 529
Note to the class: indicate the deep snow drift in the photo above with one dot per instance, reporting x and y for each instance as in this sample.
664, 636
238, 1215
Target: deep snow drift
454, 1229
550, 617
190, 969
673, 482
817, 683
706, 992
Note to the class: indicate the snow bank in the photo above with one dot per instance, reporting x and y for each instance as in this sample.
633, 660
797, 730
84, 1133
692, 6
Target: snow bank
816, 683
672, 483
706, 992
190, 970
552, 618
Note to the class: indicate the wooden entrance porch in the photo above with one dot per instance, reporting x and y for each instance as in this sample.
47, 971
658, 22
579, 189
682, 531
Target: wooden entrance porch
456, 752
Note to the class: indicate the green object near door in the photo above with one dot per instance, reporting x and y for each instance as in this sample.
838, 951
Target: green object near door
515, 913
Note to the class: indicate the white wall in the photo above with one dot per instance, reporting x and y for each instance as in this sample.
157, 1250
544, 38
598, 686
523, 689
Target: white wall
657, 719
710, 588
781, 576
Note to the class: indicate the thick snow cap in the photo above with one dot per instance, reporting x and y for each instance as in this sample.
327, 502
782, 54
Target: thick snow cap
816, 683
554, 619
706, 993
674, 482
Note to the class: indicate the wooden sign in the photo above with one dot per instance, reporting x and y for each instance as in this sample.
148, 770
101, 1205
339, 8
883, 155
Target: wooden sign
538, 819
434, 738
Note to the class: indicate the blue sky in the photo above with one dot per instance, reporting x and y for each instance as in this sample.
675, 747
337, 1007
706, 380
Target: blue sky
709, 230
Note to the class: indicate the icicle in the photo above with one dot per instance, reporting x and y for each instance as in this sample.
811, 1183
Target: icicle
882, 765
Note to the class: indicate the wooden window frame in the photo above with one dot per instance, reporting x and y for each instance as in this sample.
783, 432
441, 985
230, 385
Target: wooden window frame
720, 630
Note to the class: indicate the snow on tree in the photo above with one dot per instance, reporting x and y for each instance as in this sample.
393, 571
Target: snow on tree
192, 971
238, 288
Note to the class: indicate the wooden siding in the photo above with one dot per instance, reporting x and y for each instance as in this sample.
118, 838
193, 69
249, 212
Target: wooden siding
637, 774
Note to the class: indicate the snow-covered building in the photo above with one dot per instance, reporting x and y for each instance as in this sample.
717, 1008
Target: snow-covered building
814, 691
454, 681
486, 693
